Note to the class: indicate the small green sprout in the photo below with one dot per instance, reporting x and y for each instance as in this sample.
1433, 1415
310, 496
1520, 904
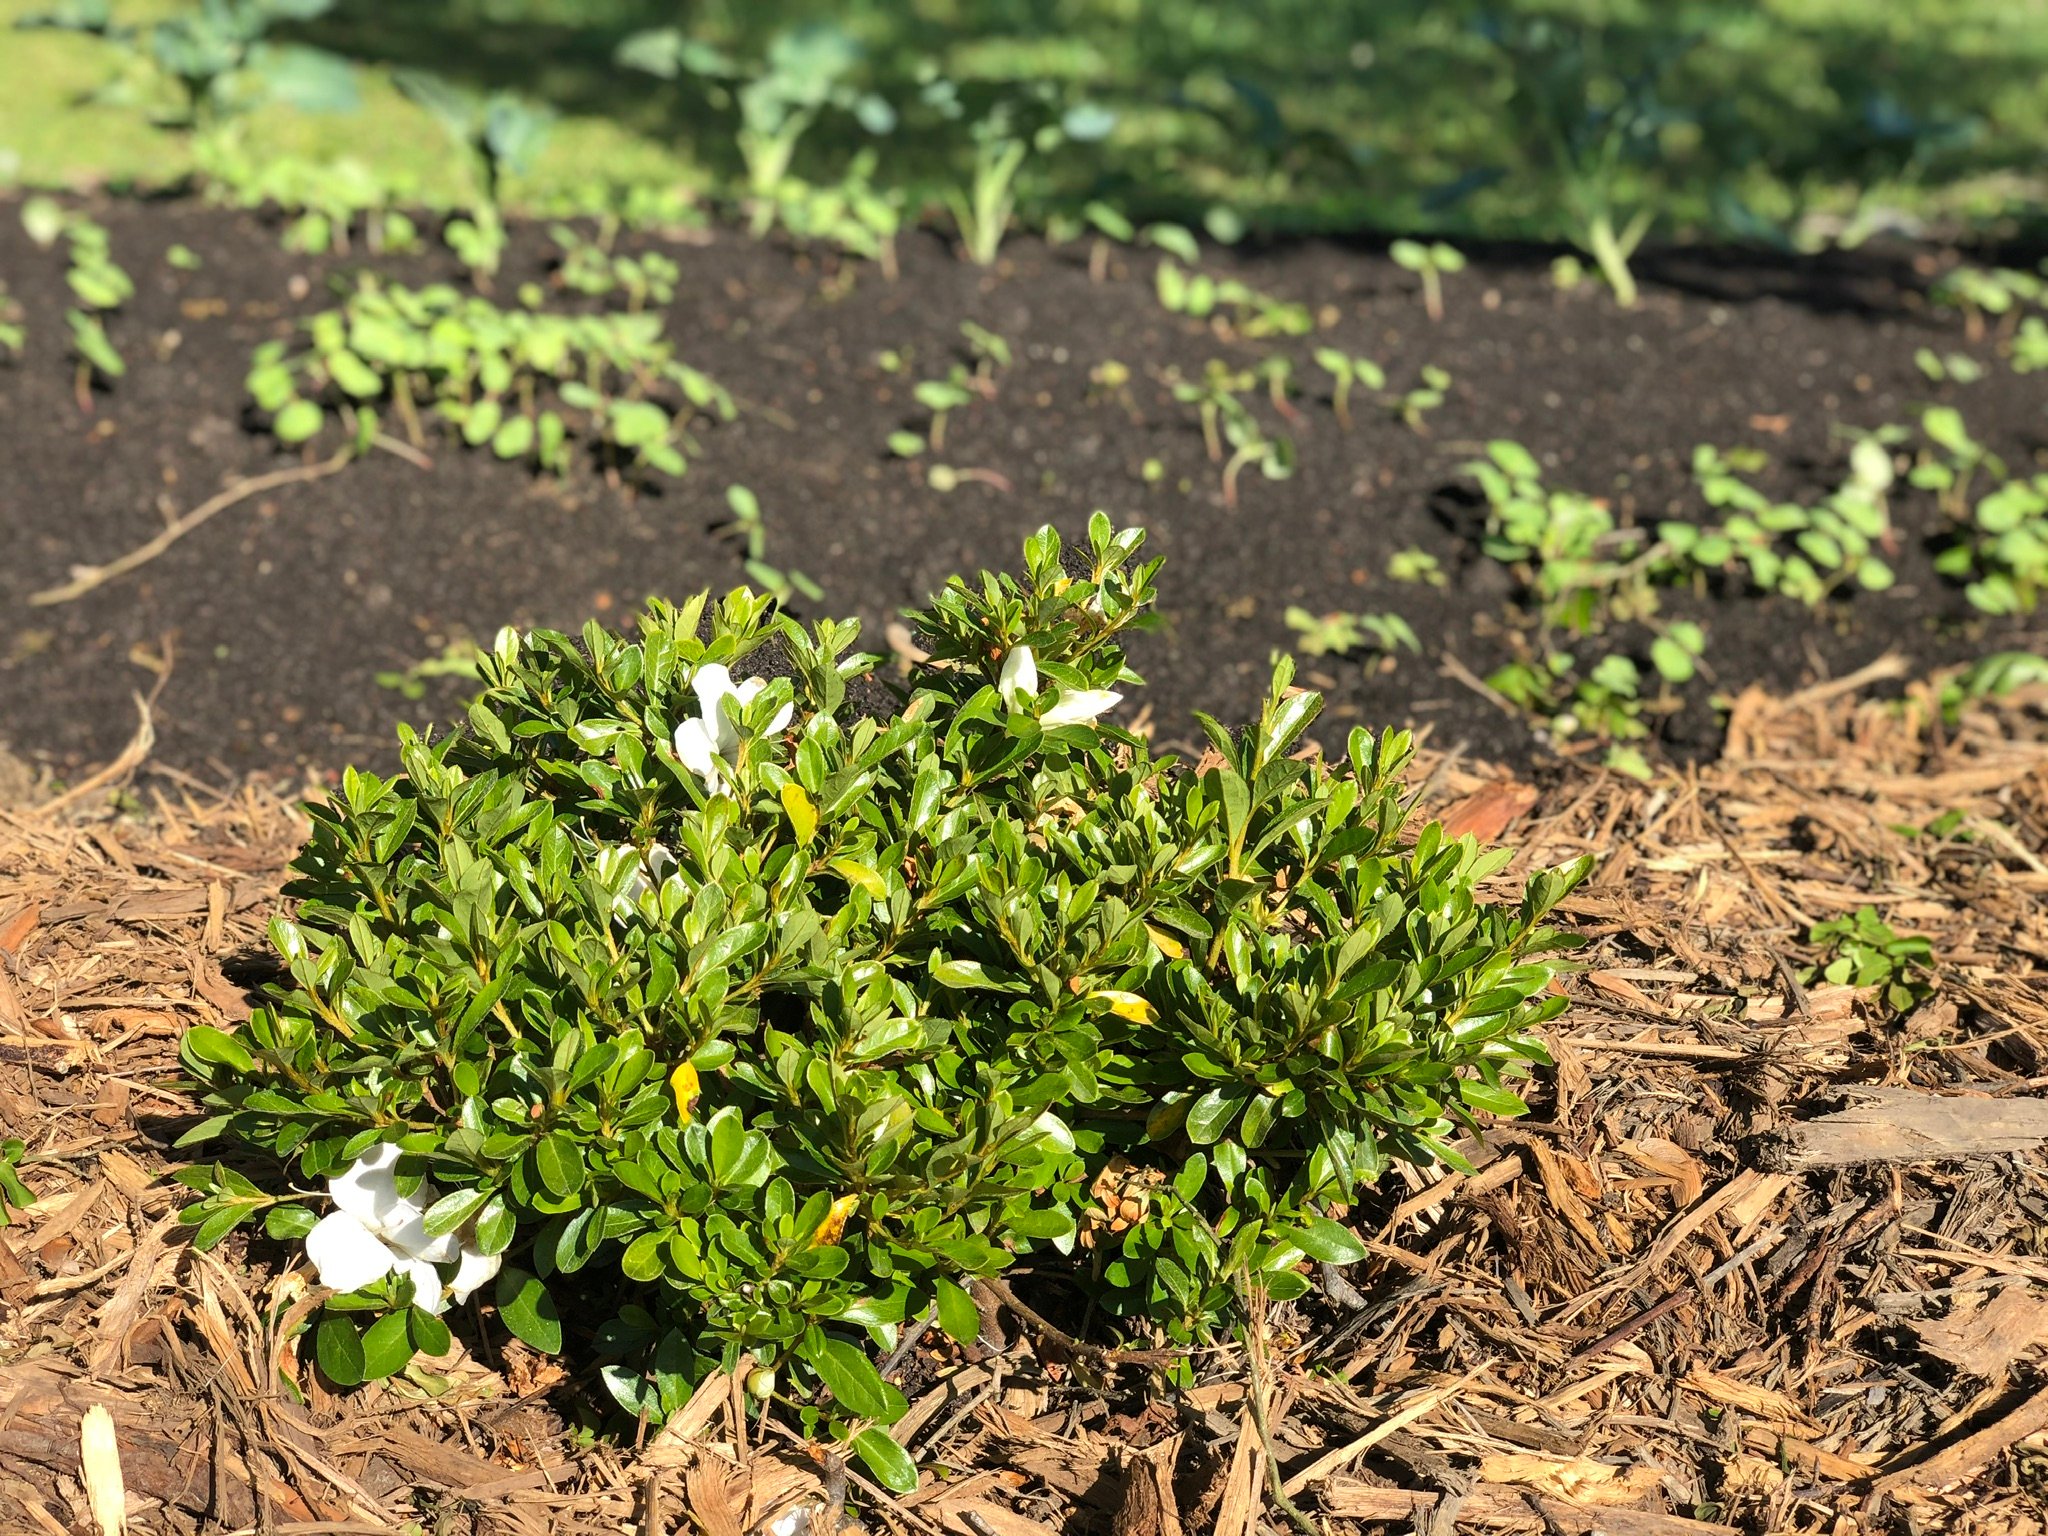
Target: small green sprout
1981, 291
183, 258
1947, 368
1430, 262
1866, 952
460, 657
12, 1191
1346, 372
752, 529
1415, 565
1425, 397
13, 335
1337, 634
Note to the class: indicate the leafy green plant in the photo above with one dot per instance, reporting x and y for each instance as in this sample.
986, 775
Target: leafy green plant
797, 1026
1347, 372
1335, 634
329, 203
1582, 568
591, 267
1016, 124
1605, 703
1416, 565
1981, 291
460, 657
13, 335
2030, 346
853, 213
96, 280
12, 1191
1429, 261
1255, 315
1837, 541
2002, 552
1865, 952
218, 55
752, 529
498, 134
1591, 96
1426, 395
1947, 368
803, 71
516, 380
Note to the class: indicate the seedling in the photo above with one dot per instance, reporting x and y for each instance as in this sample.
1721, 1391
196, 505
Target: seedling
1605, 704
460, 657
95, 279
1981, 291
2030, 346
1415, 565
1336, 634
486, 371
1346, 372
1426, 396
1214, 397
1429, 262
1841, 539
2002, 551
588, 266
182, 258
13, 1193
805, 71
1865, 952
1004, 138
13, 335
1112, 226
327, 201
752, 530
1253, 314
1583, 569
499, 134
852, 213
1948, 368
1278, 372
1250, 445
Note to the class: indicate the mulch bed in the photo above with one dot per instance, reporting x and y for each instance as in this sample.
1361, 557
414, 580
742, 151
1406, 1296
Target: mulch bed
1763, 1257
273, 621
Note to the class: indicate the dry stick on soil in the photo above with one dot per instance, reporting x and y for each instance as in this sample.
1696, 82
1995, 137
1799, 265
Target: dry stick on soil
87, 578
1091, 1352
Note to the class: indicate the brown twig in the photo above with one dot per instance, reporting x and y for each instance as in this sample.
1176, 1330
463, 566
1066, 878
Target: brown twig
87, 578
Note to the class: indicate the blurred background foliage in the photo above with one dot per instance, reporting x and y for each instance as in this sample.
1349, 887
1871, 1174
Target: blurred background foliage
1797, 121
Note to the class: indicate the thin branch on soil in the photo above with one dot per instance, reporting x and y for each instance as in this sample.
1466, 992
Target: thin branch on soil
87, 578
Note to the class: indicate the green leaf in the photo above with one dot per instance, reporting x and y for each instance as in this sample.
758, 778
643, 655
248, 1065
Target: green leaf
338, 1350
1212, 1113
529, 1311
853, 1380
890, 1463
297, 422
1324, 1239
958, 1315
386, 1346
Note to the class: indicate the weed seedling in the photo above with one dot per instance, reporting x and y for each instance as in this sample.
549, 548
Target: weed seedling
752, 530
1865, 952
1426, 396
1347, 372
1415, 565
1429, 262
1337, 634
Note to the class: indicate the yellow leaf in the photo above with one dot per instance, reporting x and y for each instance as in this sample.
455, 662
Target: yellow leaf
834, 1224
1166, 943
684, 1085
803, 815
857, 873
1127, 1005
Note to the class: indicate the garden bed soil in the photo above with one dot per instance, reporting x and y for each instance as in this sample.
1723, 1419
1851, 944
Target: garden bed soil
263, 633
1762, 1257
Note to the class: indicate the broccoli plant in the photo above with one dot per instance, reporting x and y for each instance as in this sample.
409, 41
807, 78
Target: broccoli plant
218, 55
676, 975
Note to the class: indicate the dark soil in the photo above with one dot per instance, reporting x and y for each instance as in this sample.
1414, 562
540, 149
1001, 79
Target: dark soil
275, 619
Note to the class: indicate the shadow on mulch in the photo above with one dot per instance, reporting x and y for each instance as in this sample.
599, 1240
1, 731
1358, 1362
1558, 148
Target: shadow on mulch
1762, 1258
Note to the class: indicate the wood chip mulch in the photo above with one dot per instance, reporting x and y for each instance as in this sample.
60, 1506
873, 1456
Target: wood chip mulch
1766, 1256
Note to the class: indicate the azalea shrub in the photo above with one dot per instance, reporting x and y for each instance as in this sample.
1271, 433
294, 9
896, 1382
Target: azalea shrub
764, 1008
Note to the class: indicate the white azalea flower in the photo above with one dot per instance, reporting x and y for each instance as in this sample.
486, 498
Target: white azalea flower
1018, 684
471, 1271
709, 743
1081, 707
1018, 681
374, 1230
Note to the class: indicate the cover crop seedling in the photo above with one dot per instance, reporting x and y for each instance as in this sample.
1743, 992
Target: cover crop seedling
1429, 262
1347, 372
489, 373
